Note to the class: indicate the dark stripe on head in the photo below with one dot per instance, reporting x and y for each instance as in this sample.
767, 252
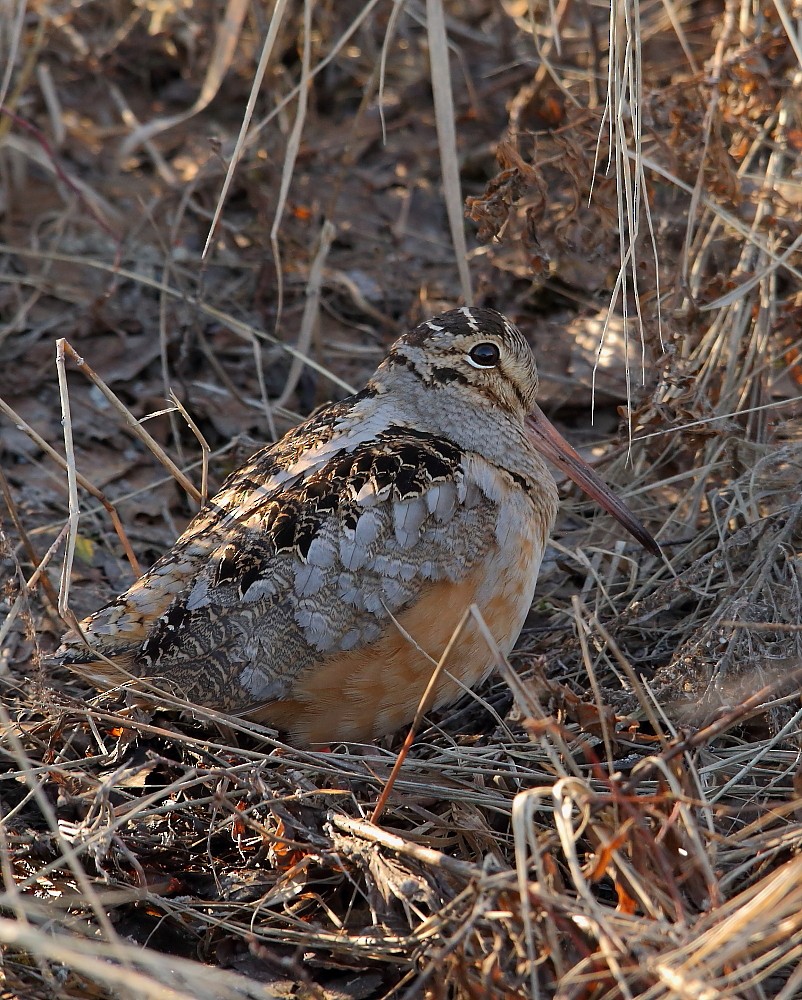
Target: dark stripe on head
518, 395
449, 375
395, 358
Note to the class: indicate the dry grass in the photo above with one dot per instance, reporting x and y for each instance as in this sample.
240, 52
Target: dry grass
244, 209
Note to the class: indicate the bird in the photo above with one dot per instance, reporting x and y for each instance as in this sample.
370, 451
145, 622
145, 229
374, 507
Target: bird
318, 588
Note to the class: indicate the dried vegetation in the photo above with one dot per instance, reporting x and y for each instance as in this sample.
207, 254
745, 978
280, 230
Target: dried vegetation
618, 813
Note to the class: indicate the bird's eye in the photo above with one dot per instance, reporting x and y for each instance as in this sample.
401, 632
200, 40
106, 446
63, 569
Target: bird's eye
484, 356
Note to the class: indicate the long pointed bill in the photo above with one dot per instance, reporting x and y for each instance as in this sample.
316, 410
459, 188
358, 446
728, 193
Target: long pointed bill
553, 446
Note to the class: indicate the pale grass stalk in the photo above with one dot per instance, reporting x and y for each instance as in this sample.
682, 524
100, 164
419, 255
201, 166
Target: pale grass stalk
525, 807
573, 795
369, 831
392, 21
790, 23
546, 67
55, 112
291, 154
276, 18
774, 405
623, 104
763, 626
445, 115
714, 73
204, 446
757, 278
10, 36
72, 483
755, 848
311, 313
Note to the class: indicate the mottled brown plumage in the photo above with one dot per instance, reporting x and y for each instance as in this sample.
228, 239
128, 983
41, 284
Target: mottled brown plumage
319, 586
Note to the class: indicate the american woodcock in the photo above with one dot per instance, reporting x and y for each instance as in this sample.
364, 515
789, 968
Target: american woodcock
319, 587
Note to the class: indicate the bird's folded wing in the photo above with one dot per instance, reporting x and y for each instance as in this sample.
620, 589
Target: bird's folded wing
290, 564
